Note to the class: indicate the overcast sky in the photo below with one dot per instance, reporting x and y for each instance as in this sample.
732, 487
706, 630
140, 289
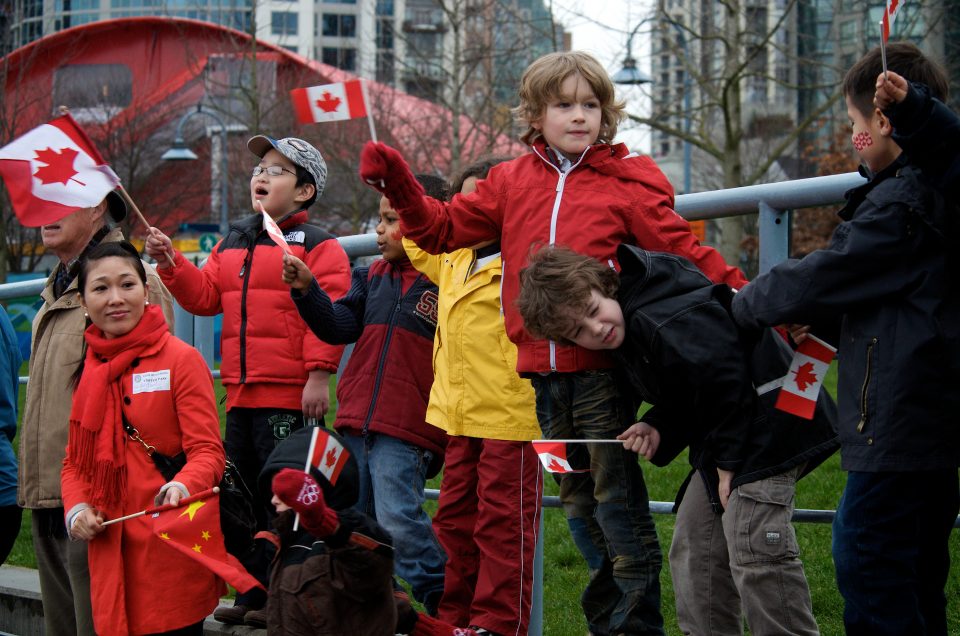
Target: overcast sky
601, 27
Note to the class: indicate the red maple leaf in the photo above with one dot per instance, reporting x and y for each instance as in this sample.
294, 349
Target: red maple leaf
59, 168
555, 466
331, 457
329, 103
805, 376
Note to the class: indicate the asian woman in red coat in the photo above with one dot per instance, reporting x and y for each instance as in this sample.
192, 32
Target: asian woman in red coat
136, 370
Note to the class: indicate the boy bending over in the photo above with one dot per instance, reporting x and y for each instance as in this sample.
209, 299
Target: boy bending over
669, 329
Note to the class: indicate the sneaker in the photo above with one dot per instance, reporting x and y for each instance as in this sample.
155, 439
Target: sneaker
480, 631
231, 615
256, 618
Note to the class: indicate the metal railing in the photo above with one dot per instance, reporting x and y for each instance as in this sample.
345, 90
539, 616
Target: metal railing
773, 202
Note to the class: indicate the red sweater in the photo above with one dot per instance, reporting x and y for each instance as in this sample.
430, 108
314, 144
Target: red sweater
267, 350
608, 198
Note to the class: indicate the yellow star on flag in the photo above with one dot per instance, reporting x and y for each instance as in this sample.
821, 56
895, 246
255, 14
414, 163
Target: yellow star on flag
197, 548
205, 535
193, 507
164, 535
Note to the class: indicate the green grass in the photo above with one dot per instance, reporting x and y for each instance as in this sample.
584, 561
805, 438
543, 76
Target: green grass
565, 573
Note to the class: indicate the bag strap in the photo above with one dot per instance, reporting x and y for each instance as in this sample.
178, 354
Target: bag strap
135, 435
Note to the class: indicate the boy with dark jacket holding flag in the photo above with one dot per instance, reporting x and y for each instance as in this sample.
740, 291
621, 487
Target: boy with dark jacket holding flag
890, 282
390, 313
670, 331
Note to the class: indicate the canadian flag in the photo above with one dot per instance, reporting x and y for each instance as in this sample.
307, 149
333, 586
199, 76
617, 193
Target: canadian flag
53, 171
330, 102
273, 230
889, 15
553, 456
327, 454
801, 385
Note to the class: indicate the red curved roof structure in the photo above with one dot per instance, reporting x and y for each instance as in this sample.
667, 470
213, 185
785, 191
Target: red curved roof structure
128, 81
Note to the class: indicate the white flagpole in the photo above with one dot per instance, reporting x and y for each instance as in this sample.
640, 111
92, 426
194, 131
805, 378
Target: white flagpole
306, 466
580, 441
366, 104
883, 50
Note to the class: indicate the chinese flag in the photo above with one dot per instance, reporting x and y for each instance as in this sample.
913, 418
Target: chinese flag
553, 456
273, 230
330, 102
327, 454
53, 171
193, 528
801, 385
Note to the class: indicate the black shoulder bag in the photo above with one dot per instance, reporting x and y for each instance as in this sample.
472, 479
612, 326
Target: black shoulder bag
237, 521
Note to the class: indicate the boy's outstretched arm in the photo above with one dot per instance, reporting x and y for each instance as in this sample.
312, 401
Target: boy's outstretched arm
339, 322
435, 226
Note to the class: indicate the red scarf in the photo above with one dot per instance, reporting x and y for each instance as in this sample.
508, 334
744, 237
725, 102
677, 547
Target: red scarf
96, 445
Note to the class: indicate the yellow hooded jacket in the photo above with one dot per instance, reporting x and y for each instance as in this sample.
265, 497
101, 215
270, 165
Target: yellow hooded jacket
476, 390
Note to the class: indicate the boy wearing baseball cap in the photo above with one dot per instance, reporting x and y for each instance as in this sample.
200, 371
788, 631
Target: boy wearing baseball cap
275, 371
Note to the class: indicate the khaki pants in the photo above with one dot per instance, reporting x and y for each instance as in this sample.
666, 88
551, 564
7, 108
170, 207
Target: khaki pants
743, 564
64, 582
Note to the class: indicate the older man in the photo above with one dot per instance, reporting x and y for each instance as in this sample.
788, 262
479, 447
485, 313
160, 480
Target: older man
56, 351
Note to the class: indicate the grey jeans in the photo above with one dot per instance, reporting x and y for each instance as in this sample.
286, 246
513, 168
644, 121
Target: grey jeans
743, 564
64, 582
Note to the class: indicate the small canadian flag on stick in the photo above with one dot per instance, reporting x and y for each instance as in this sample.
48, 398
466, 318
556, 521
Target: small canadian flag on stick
333, 102
553, 456
801, 385
273, 230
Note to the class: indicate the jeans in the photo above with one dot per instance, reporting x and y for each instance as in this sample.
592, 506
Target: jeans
891, 553
392, 478
589, 405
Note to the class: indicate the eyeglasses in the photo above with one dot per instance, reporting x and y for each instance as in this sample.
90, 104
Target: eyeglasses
273, 171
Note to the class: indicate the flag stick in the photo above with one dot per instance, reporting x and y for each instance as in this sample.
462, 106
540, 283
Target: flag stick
580, 441
136, 211
883, 49
366, 102
306, 467
182, 502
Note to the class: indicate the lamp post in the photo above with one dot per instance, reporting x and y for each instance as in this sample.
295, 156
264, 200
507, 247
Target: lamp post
630, 75
180, 152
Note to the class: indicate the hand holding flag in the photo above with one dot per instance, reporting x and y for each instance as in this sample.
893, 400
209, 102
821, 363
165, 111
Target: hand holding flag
327, 455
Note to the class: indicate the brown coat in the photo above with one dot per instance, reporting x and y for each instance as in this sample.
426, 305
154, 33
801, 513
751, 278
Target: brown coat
56, 350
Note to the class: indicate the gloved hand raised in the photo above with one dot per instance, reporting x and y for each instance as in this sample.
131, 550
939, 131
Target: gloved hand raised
386, 170
302, 493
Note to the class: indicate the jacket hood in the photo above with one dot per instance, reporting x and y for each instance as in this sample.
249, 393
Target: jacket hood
647, 277
292, 453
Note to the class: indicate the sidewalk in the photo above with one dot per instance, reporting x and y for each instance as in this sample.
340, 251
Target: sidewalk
21, 612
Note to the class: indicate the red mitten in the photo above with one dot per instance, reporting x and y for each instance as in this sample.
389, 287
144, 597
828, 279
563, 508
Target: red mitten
301, 492
386, 170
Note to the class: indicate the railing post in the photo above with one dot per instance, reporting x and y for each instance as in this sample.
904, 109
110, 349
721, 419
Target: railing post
203, 337
183, 324
774, 236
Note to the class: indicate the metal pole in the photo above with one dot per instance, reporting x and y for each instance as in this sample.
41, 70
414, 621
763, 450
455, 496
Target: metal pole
224, 208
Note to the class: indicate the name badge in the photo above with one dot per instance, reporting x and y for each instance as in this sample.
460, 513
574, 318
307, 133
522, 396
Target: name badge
151, 381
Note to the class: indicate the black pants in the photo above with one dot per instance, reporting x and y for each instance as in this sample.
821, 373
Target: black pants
9, 528
190, 630
251, 436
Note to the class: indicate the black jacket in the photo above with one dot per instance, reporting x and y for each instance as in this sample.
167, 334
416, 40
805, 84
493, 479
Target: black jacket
685, 355
890, 280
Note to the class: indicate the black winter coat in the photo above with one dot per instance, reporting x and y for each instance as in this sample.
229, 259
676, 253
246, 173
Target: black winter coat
685, 355
890, 278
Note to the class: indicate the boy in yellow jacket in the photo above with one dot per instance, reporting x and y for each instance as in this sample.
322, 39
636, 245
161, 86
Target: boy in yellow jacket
489, 510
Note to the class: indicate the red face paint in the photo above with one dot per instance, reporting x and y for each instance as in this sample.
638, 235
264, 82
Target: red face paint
862, 140
396, 236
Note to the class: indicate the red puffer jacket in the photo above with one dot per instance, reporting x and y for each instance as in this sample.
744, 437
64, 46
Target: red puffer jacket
264, 341
608, 197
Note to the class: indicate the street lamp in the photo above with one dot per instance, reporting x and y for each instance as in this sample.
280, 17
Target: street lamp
180, 152
630, 75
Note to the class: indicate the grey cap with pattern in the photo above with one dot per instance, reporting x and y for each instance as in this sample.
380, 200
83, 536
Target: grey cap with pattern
296, 150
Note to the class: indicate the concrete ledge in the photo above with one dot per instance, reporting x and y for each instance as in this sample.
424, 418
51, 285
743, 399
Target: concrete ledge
21, 611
